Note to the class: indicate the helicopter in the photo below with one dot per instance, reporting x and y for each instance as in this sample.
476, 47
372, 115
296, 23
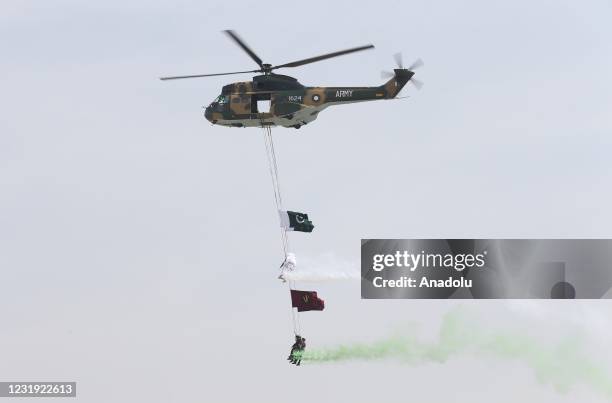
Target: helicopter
272, 99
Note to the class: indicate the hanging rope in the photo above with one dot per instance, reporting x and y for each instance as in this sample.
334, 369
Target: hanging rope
273, 167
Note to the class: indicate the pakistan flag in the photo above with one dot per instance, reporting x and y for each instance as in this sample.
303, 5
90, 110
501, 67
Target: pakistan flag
294, 221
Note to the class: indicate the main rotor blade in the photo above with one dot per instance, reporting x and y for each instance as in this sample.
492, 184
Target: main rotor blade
323, 57
244, 46
208, 75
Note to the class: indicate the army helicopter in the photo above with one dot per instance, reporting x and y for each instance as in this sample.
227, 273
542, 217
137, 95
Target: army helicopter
273, 99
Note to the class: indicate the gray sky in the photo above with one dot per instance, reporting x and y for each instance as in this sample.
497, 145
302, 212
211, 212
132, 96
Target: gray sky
139, 244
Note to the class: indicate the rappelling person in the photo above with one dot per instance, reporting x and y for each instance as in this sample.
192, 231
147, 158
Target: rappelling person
288, 265
297, 350
294, 347
300, 352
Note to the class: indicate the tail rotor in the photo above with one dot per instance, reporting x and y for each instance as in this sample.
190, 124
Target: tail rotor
418, 84
399, 60
417, 63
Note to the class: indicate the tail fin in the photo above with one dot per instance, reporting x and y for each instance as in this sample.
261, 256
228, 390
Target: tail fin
397, 82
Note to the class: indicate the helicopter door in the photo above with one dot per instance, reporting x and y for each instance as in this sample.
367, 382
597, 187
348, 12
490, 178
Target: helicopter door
260, 103
263, 106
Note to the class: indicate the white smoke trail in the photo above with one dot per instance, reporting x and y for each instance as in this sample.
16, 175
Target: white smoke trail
326, 268
318, 277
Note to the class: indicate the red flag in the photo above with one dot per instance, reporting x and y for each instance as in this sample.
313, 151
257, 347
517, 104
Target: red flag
306, 301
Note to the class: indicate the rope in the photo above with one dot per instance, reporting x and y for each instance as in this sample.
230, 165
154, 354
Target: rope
273, 167
269, 134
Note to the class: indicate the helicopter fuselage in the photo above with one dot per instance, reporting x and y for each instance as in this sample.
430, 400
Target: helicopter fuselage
279, 100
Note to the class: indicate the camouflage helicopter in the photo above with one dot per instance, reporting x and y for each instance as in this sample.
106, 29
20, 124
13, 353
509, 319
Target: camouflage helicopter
278, 100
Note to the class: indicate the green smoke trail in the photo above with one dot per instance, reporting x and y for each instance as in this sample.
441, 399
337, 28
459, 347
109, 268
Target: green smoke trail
561, 364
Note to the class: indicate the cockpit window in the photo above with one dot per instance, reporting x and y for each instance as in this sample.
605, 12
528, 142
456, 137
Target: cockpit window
221, 99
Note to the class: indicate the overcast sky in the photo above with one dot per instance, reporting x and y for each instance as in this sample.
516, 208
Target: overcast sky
139, 244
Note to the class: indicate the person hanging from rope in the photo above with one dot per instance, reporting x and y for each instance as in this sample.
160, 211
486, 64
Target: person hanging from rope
294, 348
288, 265
300, 351
297, 350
